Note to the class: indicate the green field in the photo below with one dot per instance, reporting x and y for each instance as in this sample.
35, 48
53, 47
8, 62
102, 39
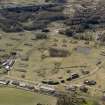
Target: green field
11, 96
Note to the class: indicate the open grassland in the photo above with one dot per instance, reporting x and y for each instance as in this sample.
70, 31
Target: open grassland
11, 96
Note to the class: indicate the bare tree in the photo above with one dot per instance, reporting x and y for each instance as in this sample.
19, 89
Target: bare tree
70, 99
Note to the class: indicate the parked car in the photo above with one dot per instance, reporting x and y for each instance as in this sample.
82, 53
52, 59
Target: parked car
73, 76
16, 83
90, 82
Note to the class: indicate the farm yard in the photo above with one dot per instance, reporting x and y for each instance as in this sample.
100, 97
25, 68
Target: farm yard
34, 62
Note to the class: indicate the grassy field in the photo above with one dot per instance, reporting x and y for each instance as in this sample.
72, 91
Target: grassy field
11, 96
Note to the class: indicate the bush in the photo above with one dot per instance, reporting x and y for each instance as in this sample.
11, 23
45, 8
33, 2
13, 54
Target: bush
70, 99
41, 36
